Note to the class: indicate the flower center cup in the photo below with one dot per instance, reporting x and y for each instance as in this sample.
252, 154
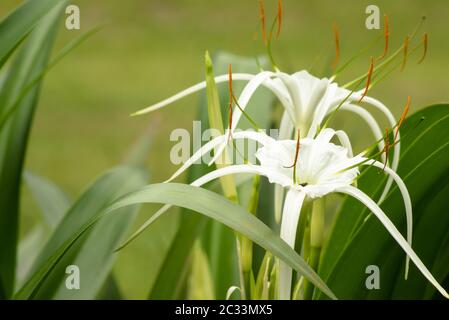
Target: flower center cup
318, 168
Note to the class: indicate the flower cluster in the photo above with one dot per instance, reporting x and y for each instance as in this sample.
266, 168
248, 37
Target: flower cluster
310, 160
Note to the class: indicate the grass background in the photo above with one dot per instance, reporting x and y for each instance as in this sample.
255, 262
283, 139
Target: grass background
151, 49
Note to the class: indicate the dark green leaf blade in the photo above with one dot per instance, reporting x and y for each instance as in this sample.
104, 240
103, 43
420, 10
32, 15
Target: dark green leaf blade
424, 168
31, 59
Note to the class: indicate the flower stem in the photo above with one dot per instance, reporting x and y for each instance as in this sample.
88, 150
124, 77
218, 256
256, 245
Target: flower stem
316, 242
247, 244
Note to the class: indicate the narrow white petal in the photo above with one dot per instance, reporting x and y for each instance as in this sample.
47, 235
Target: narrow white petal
407, 203
294, 92
220, 140
231, 290
397, 148
286, 129
369, 119
260, 137
195, 88
345, 142
247, 93
197, 155
362, 197
289, 225
243, 168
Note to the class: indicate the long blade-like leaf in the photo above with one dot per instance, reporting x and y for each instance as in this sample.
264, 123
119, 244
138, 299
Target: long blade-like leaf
30, 61
196, 199
20, 22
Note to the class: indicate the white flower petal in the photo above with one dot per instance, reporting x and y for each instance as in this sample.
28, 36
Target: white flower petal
251, 135
397, 147
195, 88
369, 119
272, 175
290, 217
407, 203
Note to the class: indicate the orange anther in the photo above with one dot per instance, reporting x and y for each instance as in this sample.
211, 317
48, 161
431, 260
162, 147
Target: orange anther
425, 40
401, 120
279, 16
368, 79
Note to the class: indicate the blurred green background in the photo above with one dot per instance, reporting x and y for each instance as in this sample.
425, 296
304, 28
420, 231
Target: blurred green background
151, 49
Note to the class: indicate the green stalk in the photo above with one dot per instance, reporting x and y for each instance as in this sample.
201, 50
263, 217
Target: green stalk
216, 122
316, 242
247, 244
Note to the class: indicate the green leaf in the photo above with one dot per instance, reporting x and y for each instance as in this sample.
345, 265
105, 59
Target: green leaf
29, 247
17, 25
362, 240
222, 210
30, 61
93, 251
51, 200
53, 204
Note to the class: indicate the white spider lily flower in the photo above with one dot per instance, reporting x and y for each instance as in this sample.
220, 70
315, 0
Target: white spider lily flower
307, 101
322, 168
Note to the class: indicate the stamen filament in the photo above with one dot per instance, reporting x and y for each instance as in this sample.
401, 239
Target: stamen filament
379, 77
337, 46
374, 156
298, 146
262, 21
404, 61
387, 61
231, 95
338, 107
387, 147
387, 36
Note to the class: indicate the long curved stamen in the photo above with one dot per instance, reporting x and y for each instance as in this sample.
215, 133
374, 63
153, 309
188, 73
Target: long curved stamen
262, 21
387, 147
401, 120
337, 46
387, 36
231, 95
368, 80
425, 40
404, 61
298, 146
